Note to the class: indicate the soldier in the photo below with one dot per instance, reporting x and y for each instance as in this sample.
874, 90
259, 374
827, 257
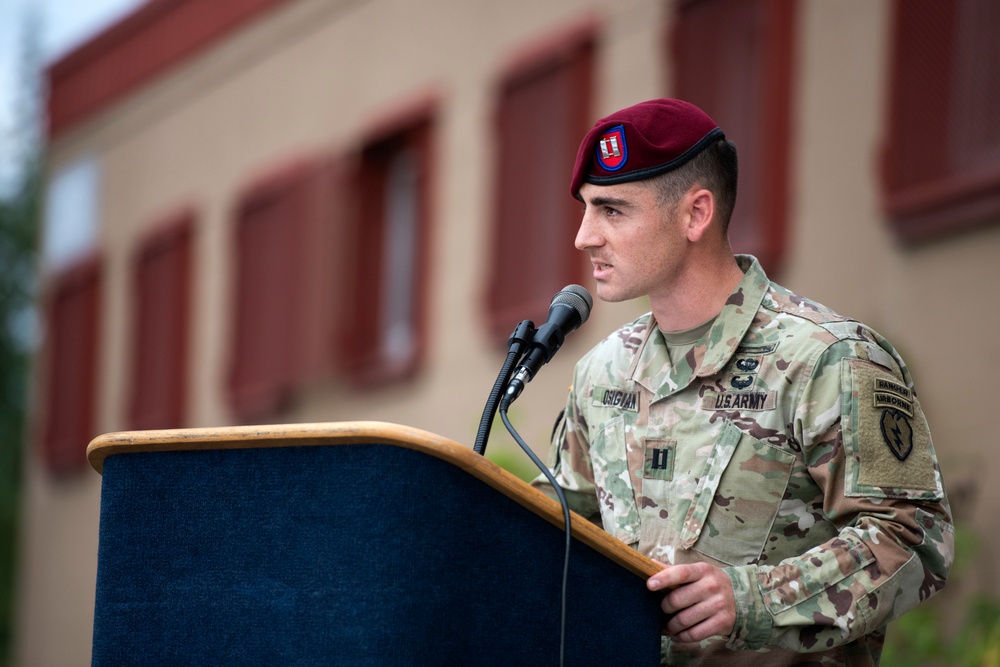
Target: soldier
772, 454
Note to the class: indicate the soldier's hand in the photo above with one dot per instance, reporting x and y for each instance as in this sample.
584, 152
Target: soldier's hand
700, 598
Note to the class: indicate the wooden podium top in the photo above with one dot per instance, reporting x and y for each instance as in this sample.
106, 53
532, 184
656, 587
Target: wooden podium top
348, 433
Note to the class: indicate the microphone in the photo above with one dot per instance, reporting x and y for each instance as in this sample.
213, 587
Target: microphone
569, 309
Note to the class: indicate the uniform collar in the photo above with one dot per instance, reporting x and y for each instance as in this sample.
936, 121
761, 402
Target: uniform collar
652, 369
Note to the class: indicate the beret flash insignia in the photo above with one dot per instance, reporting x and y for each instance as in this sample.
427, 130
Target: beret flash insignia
611, 149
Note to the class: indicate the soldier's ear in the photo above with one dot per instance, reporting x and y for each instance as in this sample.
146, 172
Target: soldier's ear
700, 206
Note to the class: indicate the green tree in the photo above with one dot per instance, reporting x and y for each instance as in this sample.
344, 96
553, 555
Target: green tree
19, 215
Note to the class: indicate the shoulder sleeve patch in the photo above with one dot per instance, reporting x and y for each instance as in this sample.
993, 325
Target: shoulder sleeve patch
889, 448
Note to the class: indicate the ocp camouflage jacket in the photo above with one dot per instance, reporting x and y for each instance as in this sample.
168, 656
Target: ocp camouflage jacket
788, 447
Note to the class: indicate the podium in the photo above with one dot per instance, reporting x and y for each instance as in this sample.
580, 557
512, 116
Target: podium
357, 543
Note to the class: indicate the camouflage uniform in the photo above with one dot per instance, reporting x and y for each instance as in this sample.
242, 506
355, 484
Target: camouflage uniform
787, 447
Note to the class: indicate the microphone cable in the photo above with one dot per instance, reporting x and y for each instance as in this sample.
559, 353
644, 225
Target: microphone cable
566, 523
569, 309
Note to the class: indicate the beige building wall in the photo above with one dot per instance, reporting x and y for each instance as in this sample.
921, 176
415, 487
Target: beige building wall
312, 76
933, 301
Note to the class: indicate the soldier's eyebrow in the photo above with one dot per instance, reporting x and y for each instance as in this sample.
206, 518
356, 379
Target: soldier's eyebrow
613, 202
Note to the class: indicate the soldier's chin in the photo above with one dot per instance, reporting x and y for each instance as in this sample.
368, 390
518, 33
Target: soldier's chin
607, 293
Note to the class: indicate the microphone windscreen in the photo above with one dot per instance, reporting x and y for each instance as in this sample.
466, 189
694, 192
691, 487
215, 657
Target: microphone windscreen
576, 297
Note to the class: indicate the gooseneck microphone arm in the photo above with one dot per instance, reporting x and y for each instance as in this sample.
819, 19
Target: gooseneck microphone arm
569, 309
530, 348
515, 350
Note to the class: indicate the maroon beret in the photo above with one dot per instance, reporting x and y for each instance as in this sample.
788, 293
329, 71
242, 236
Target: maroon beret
642, 141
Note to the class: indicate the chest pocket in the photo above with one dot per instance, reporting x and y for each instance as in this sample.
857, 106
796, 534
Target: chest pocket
737, 498
610, 453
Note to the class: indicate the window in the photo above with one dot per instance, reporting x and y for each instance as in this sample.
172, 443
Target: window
733, 59
284, 286
384, 333
162, 289
71, 299
544, 111
941, 169
71, 204
72, 312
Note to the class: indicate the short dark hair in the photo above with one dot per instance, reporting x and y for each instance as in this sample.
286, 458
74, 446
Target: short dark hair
716, 168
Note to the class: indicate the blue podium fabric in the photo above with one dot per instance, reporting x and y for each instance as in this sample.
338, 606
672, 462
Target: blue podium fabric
346, 555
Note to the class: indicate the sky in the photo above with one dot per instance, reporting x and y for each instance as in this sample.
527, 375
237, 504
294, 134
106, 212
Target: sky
63, 25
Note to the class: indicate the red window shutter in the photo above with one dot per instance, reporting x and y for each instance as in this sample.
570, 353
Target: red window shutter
272, 252
941, 166
71, 376
328, 206
733, 58
543, 113
383, 339
162, 289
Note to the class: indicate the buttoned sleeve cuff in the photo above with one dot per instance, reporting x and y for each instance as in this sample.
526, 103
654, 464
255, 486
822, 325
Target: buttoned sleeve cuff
753, 622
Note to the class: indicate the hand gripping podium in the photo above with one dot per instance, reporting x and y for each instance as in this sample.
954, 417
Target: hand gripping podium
349, 544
